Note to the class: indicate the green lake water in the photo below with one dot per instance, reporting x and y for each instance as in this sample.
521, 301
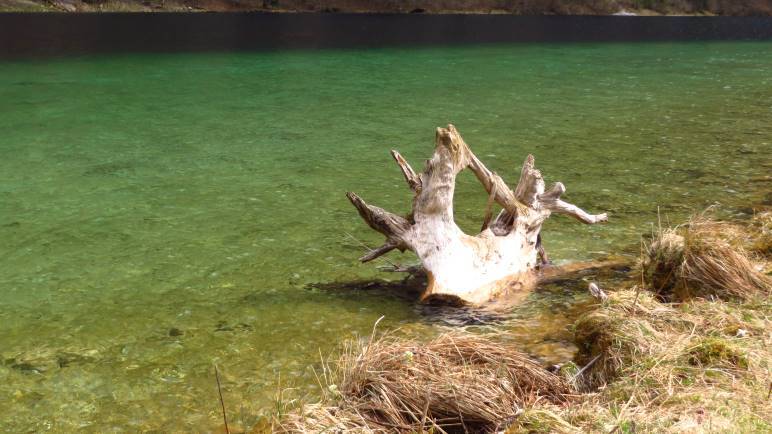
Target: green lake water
160, 214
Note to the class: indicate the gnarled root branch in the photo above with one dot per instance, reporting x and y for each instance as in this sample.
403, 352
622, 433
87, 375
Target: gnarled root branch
476, 268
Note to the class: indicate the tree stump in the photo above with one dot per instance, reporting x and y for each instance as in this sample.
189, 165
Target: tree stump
460, 267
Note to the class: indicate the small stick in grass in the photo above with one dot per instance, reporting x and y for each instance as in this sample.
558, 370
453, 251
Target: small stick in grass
222, 402
643, 280
581, 371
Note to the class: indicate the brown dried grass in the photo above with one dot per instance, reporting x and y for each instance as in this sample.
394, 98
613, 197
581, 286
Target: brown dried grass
630, 325
698, 364
695, 366
760, 229
708, 258
456, 382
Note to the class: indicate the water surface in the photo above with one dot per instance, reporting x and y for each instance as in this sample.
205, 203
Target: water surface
163, 213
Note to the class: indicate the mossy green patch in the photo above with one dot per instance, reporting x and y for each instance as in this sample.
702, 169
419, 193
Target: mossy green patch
712, 351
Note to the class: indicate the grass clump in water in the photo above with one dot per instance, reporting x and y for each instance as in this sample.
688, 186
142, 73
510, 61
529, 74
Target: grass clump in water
708, 258
457, 382
761, 238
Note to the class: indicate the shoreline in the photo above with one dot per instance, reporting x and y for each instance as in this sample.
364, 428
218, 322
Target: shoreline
478, 7
42, 35
685, 332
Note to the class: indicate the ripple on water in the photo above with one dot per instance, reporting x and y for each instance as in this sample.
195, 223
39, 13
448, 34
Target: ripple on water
151, 228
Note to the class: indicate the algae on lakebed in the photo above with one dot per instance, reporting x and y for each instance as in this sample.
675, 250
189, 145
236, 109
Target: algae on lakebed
202, 192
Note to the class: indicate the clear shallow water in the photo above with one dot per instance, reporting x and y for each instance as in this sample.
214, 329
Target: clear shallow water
162, 213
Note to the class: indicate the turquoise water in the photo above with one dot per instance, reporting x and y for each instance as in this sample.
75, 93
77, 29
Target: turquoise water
160, 214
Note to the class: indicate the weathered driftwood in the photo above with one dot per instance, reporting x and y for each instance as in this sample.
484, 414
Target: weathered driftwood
476, 268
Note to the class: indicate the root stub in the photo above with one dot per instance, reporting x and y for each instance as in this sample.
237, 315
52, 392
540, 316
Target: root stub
479, 268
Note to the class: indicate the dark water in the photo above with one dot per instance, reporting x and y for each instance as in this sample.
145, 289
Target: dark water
25, 35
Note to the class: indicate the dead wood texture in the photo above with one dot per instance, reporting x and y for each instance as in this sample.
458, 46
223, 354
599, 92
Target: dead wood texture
478, 268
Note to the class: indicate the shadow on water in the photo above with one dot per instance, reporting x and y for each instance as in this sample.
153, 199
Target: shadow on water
561, 292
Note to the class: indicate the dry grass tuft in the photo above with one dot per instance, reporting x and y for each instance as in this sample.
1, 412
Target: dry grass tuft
699, 365
455, 383
707, 258
761, 234
630, 325
695, 366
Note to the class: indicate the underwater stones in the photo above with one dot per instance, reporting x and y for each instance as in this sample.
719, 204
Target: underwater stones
66, 359
109, 169
29, 363
27, 397
169, 373
25, 367
47, 360
223, 326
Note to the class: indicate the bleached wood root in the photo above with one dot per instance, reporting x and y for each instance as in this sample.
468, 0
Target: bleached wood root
476, 268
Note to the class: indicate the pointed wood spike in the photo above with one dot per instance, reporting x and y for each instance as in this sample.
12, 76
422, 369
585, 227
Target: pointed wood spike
413, 180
